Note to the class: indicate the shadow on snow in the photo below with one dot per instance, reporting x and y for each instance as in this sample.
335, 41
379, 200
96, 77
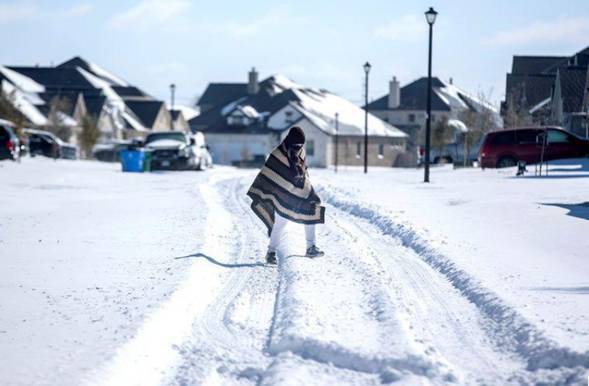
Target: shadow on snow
221, 264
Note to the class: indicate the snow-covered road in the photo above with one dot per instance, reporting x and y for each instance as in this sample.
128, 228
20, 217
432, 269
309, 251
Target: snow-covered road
115, 279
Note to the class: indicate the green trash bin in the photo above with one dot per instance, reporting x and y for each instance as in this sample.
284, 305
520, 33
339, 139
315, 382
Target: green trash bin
147, 160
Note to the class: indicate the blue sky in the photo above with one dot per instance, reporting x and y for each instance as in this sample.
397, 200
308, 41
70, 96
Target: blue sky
152, 43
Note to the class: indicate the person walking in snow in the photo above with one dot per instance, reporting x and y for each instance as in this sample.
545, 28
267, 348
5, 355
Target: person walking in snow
282, 191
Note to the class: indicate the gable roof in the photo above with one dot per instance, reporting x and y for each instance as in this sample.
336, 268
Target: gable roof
414, 97
528, 64
277, 92
128, 92
96, 70
573, 86
146, 111
533, 88
56, 78
94, 104
217, 93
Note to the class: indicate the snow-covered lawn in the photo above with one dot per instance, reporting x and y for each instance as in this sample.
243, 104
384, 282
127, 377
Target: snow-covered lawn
119, 279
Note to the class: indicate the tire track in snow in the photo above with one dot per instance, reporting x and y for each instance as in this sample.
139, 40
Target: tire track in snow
230, 355
510, 329
151, 356
438, 315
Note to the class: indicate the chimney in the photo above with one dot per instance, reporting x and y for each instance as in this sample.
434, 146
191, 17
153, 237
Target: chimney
252, 85
394, 93
451, 81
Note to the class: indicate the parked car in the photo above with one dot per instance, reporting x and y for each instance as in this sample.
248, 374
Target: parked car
177, 150
452, 153
44, 143
109, 152
9, 143
504, 148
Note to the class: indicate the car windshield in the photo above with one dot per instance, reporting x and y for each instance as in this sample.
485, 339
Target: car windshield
157, 136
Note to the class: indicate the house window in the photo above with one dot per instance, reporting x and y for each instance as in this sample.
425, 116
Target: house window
411, 117
358, 149
380, 150
310, 148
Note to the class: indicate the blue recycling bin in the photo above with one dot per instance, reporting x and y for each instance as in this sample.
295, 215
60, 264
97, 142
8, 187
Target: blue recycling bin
132, 160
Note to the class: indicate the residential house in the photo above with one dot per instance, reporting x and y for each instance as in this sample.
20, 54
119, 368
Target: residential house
406, 107
121, 109
549, 90
179, 122
244, 122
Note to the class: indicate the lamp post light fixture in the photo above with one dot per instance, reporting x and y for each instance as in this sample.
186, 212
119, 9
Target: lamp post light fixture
172, 92
430, 16
367, 67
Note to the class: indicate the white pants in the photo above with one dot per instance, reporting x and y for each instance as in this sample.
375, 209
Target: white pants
278, 230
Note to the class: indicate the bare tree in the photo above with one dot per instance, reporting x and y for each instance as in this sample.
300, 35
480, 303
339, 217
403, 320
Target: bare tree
516, 113
56, 119
440, 135
89, 135
479, 121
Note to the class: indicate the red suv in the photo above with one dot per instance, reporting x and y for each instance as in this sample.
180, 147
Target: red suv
504, 148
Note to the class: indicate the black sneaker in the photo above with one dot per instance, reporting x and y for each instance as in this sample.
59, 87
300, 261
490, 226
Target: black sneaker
314, 252
271, 258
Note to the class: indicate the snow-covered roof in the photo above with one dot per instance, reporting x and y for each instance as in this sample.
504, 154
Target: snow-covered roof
540, 105
24, 83
106, 88
22, 102
78, 62
458, 125
320, 107
132, 121
249, 111
187, 111
455, 97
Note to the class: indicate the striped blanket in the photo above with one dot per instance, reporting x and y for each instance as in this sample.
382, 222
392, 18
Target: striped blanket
275, 190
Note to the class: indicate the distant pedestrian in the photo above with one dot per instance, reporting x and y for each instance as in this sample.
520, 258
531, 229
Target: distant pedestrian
282, 191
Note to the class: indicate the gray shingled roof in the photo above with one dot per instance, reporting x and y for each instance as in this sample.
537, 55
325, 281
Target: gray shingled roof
535, 64
218, 93
533, 87
573, 83
413, 97
146, 111
264, 101
55, 78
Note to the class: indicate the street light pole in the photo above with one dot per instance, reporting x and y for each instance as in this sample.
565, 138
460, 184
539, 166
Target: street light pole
430, 16
366, 70
172, 92
336, 138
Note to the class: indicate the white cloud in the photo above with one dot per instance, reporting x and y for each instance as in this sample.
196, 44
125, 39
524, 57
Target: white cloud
20, 12
564, 29
12, 13
77, 10
150, 12
407, 27
272, 19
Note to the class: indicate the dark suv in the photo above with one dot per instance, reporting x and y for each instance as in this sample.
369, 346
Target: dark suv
504, 148
9, 143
